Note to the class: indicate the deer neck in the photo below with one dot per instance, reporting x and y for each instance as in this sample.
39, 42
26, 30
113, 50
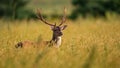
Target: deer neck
57, 40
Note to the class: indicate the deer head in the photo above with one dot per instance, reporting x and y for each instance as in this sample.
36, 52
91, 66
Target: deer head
57, 29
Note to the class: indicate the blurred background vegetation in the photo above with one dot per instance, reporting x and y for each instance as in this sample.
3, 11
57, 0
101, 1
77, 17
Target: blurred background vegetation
25, 9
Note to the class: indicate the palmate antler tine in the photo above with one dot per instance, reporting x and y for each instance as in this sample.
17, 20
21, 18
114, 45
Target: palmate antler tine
41, 18
64, 17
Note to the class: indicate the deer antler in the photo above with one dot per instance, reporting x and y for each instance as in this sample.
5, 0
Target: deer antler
64, 17
41, 18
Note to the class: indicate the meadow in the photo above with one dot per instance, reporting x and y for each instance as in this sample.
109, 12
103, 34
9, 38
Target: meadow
86, 43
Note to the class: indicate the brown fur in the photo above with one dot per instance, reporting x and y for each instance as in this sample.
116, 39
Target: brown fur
26, 44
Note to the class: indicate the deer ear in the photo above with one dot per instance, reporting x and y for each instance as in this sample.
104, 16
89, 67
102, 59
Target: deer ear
63, 27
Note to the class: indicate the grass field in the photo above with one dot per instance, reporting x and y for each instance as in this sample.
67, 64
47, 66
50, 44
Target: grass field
87, 43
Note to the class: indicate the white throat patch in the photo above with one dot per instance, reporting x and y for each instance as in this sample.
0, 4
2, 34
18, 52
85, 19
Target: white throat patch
58, 41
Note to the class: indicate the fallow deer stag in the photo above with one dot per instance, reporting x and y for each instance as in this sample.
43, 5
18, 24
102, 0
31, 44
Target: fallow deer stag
57, 32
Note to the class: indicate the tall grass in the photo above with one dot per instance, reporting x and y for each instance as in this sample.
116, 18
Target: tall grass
86, 43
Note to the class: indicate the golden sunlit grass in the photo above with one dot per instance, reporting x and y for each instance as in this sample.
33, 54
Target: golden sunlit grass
86, 44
